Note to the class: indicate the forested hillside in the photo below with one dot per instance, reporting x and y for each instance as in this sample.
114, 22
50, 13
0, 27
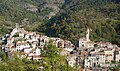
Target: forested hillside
66, 19
27, 12
102, 16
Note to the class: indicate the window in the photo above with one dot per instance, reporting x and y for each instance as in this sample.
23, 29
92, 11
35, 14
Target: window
82, 45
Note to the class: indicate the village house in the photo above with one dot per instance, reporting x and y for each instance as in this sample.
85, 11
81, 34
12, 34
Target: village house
8, 47
31, 37
82, 43
35, 51
27, 50
55, 41
106, 44
22, 34
71, 59
90, 61
68, 44
90, 44
117, 53
102, 55
16, 30
20, 45
34, 44
60, 43
34, 54
66, 51
89, 53
13, 49
44, 39
10, 40
85, 41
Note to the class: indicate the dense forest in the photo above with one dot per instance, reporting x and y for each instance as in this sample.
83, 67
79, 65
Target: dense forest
26, 12
67, 19
101, 16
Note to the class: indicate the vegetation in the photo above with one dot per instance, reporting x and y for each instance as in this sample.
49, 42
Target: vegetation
115, 68
102, 16
28, 13
51, 61
71, 19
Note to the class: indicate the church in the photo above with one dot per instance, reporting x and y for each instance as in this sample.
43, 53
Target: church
85, 42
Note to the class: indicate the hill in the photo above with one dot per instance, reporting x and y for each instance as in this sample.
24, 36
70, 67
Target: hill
27, 12
66, 19
102, 16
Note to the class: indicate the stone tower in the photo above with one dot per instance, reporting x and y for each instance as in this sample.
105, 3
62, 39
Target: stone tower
17, 26
87, 34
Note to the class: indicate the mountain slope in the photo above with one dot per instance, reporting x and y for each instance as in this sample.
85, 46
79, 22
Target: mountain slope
17, 10
29, 13
67, 19
102, 16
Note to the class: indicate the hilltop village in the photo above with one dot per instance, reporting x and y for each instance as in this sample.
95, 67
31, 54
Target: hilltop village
89, 55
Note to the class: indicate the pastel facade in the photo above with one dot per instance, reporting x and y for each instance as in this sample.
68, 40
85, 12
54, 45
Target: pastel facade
21, 45
71, 60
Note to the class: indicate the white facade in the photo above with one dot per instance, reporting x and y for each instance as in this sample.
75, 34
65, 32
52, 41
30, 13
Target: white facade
13, 32
90, 62
89, 44
69, 49
82, 43
66, 51
60, 43
71, 60
27, 36
27, 50
13, 49
21, 45
45, 39
34, 44
38, 51
88, 35
10, 40
22, 35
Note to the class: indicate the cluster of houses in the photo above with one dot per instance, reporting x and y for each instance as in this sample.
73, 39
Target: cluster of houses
89, 54
30, 44
100, 55
97, 54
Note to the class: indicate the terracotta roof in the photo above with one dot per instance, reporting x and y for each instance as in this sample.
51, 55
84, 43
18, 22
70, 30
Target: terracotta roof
84, 53
108, 49
13, 47
80, 69
97, 53
9, 45
21, 43
9, 38
108, 54
23, 53
118, 49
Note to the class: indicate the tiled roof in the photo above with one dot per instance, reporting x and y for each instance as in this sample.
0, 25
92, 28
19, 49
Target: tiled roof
97, 53
13, 47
